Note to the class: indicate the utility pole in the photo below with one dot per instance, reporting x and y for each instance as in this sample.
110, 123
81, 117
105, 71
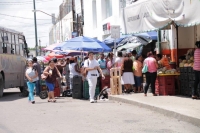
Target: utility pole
40, 47
36, 40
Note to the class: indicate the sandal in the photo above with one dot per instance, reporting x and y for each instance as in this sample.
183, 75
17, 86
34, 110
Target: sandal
49, 101
54, 101
194, 97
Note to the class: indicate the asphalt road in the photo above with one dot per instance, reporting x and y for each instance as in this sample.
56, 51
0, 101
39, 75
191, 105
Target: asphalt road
80, 116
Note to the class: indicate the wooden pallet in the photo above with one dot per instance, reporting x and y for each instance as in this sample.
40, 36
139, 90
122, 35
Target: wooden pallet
115, 81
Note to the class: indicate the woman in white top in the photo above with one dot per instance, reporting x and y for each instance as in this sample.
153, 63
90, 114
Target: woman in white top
32, 76
74, 70
119, 60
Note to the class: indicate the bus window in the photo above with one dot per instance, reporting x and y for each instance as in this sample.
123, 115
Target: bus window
21, 49
1, 34
12, 49
9, 37
16, 39
13, 39
17, 50
4, 46
9, 48
1, 48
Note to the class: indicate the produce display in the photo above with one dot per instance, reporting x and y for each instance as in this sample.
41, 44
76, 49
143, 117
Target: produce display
189, 59
164, 70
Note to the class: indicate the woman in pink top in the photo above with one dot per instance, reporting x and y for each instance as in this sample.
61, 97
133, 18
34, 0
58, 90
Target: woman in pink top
196, 68
151, 75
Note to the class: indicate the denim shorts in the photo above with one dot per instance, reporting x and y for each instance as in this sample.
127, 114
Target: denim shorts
138, 81
50, 86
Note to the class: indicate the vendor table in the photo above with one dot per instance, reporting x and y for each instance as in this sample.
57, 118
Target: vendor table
165, 84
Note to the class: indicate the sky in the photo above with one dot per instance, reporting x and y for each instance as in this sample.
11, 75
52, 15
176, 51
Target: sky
23, 8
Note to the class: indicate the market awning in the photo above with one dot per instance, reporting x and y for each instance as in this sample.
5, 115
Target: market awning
151, 15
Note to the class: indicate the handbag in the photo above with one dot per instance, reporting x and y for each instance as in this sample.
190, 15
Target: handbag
145, 68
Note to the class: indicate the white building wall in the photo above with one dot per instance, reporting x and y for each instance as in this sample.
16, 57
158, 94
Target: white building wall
89, 29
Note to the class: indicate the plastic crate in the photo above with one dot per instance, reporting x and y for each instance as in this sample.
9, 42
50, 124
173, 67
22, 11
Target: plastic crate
190, 70
191, 77
165, 85
182, 70
86, 90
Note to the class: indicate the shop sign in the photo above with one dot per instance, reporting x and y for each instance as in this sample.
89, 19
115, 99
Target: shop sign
115, 31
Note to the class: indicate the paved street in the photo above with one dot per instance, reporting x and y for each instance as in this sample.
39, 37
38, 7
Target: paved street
79, 116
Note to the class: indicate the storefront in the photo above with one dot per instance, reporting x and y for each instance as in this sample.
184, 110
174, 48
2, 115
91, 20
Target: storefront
177, 23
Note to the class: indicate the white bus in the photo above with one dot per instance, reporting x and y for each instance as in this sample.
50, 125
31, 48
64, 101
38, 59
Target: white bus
13, 54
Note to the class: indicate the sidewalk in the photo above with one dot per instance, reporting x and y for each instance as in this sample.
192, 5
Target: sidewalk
182, 108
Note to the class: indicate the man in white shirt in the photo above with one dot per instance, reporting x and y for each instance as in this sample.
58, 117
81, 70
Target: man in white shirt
91, 65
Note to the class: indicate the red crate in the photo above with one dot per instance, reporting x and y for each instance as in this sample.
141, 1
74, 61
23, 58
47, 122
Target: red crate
56, 92
105, 82
165, 85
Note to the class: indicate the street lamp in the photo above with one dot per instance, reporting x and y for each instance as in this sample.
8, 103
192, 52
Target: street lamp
44, 13
53, 17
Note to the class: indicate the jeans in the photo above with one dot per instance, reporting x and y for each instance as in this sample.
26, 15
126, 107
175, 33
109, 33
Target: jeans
92, 81
196, 83
150, 79
38, 87
31, 87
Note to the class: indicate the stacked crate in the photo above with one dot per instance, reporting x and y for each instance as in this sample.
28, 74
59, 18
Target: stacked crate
115, 81
165, 85
187, 78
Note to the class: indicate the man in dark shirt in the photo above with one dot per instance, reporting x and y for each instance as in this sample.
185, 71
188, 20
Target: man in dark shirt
38, 68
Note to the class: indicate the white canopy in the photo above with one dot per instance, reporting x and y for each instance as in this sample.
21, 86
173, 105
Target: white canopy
155, 14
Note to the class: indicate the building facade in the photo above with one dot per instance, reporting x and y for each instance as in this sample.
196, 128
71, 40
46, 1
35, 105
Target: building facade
63, 27
99, 15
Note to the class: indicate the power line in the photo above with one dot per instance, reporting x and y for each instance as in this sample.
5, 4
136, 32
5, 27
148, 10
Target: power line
22, 22
21, 17
24, 2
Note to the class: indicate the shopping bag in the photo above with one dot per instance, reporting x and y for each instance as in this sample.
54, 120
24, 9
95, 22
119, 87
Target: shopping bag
145, 69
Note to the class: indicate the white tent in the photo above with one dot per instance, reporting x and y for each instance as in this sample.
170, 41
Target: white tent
155, 14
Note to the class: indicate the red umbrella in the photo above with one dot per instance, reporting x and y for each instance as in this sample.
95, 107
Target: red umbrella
53, 54
47, 58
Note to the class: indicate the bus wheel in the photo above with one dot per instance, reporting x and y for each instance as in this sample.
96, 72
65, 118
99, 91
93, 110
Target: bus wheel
21, 89
1, 85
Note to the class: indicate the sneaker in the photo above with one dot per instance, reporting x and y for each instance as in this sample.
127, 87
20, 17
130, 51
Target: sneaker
92, 101
33, 102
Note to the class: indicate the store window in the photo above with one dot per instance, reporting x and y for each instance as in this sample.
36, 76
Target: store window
94, 11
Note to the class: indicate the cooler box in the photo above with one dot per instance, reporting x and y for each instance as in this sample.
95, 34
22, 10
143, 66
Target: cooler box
86, 90
77, 90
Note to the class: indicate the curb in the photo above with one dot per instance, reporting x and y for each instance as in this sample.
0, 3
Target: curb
179, 116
